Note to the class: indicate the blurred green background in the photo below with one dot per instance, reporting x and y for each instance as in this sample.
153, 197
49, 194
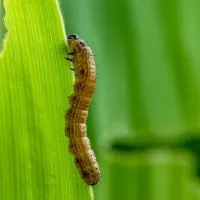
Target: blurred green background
145, 116
144, 119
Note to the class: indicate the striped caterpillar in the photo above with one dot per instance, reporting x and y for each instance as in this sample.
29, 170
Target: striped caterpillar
76, 129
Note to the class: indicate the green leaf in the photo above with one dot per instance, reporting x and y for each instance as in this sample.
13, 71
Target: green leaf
35, 81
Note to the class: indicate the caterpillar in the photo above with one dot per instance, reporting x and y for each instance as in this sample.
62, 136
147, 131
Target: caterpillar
76, 116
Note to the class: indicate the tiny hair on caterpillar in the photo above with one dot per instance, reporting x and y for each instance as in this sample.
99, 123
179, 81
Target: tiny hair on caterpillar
82, 58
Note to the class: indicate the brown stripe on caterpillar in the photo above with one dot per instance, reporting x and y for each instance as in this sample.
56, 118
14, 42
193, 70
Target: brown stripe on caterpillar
82, 86
76, 116
79, 146
76, 130
77, 101
90, 74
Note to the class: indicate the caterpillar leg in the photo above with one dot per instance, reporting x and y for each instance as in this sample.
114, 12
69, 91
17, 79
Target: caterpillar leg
73, 69
70, 59
71, 53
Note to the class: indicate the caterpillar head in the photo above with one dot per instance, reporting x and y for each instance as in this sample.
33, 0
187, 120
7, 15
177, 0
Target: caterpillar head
73, 39
76, 43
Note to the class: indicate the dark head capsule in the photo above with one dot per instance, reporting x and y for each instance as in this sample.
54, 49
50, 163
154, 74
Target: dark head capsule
73, 36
